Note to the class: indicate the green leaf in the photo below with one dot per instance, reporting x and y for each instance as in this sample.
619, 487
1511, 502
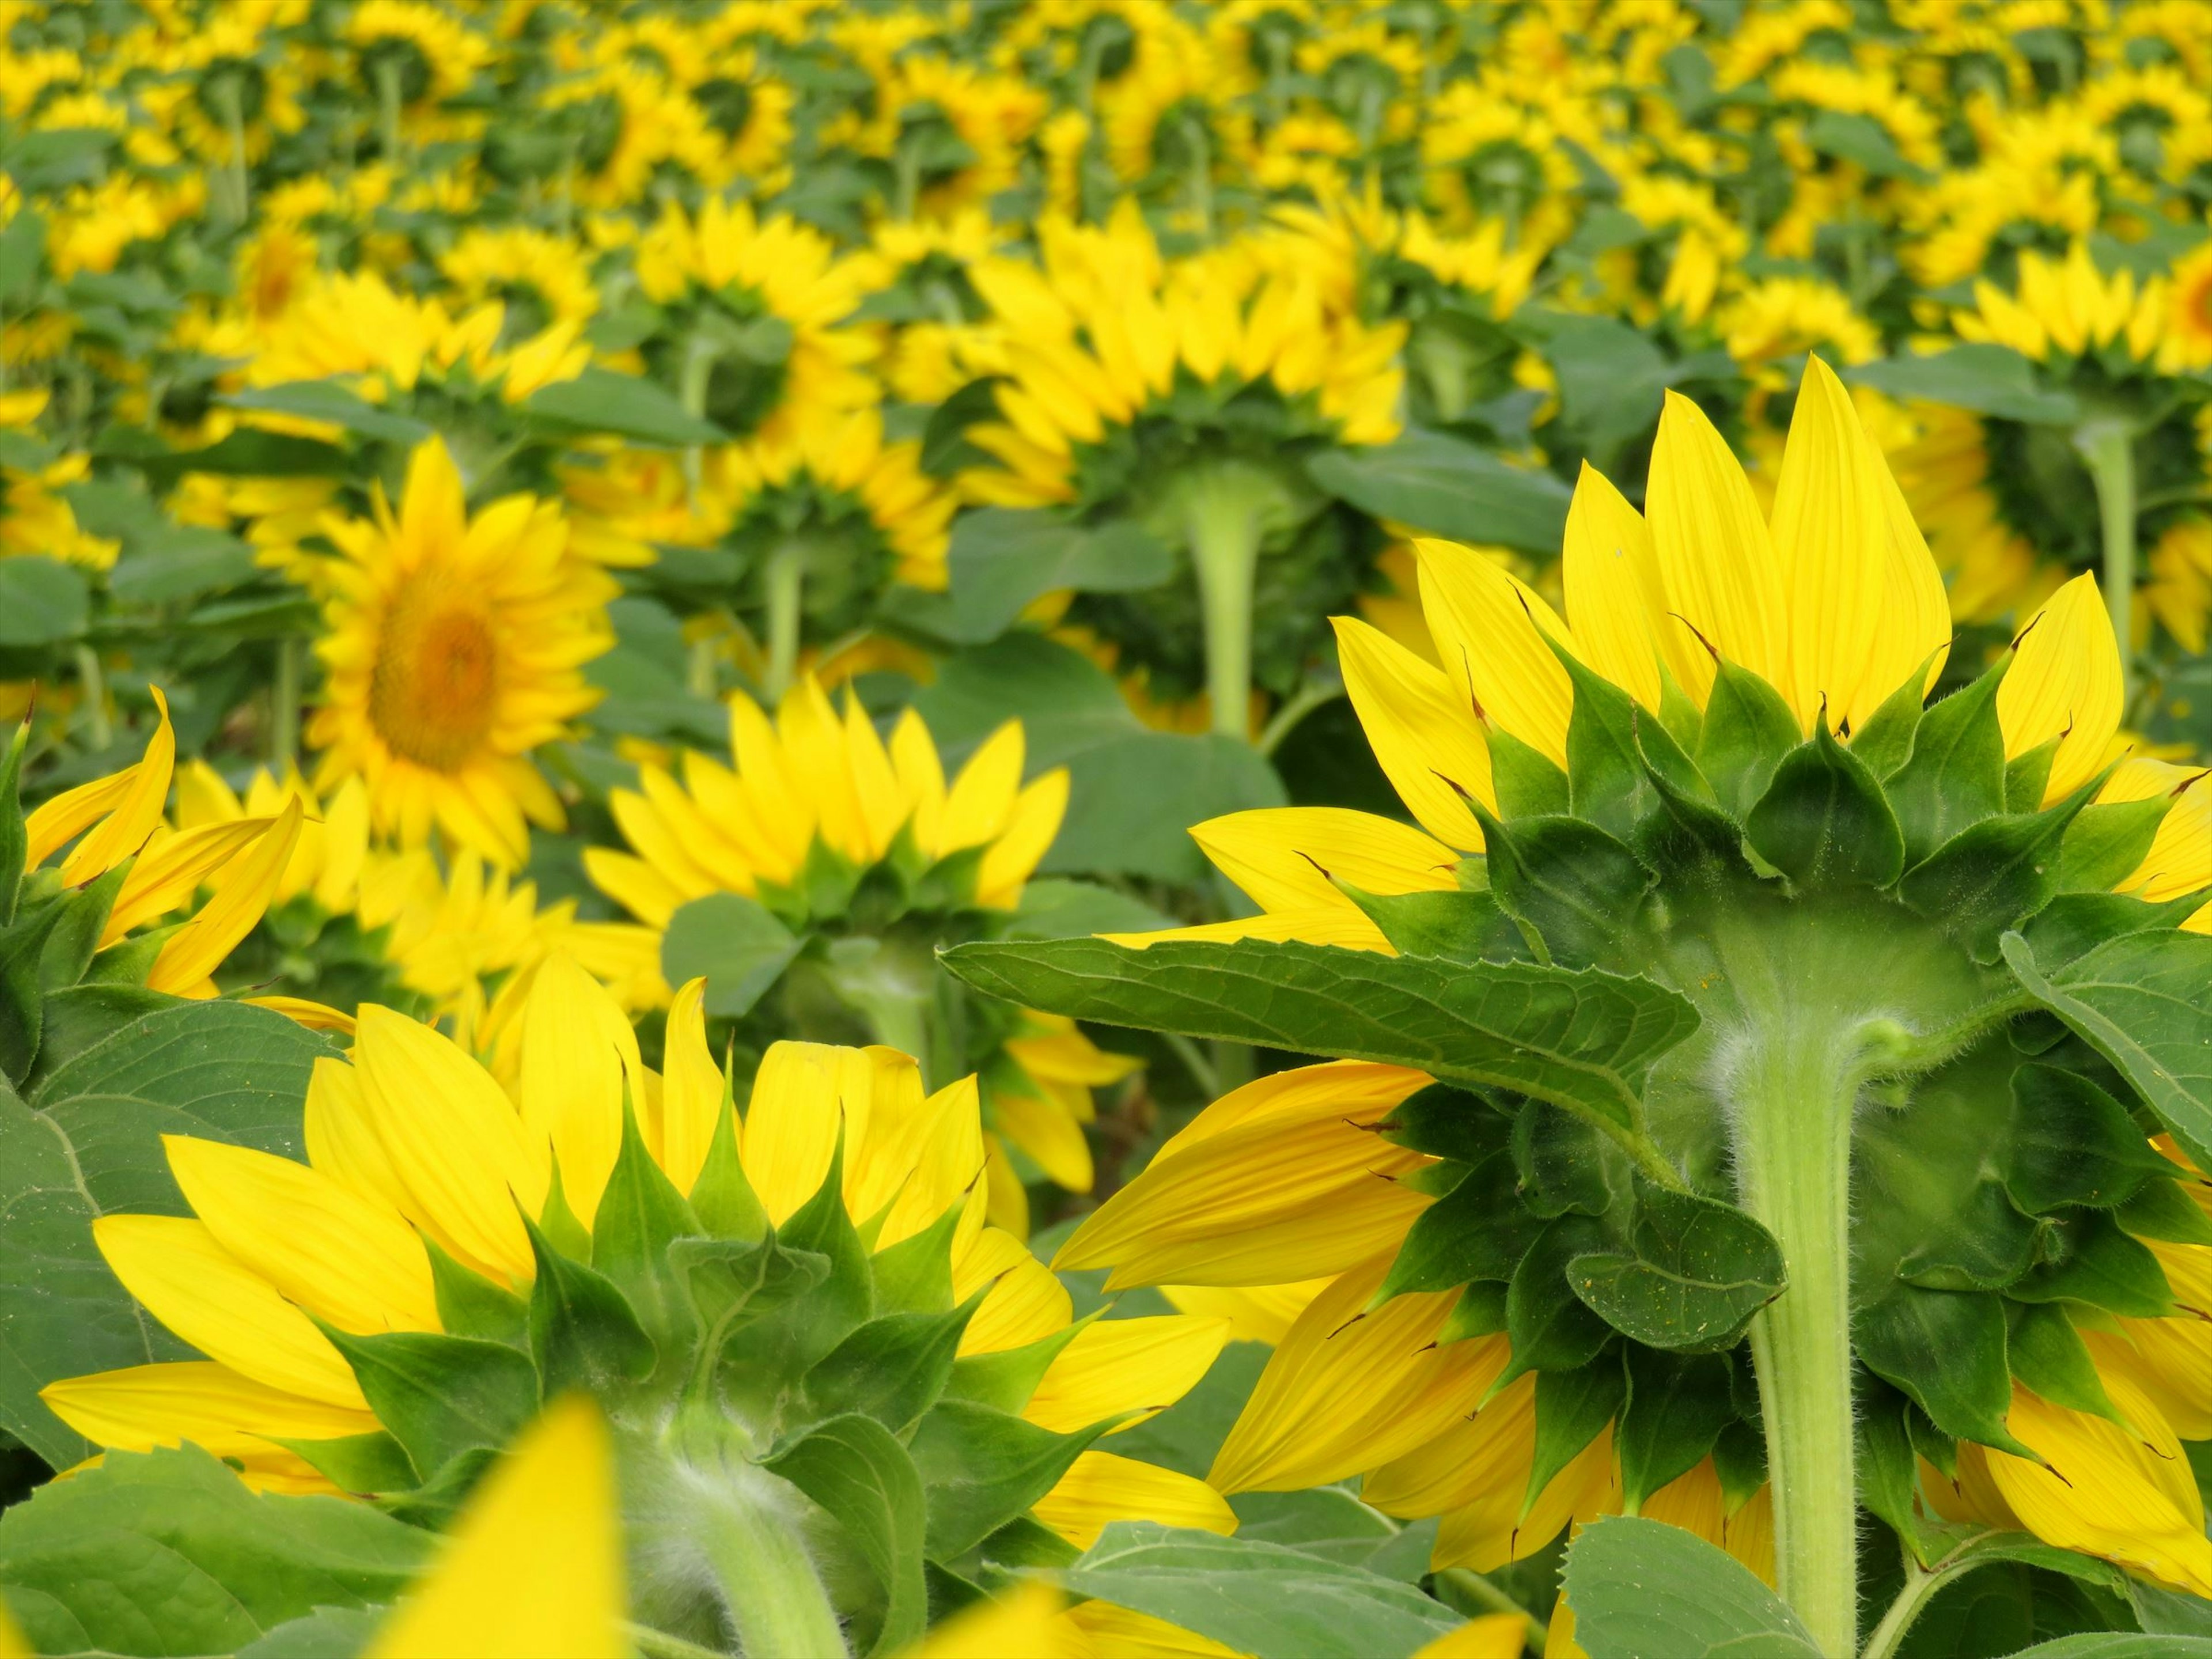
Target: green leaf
1640, 1589
1823, 821
87, 1143
1001, 559
441, 1396
1864, 141
1263, 1599
2140, 1001
736, 942
1458, 924
1985, 378
1129, 799
1562, 1163
365, 1464
1582, 1039
1946, 1350
42, 601
170, 1553
1678, 1404
2108, 842
852, 1467
600, 400
1055, 907
326, 1633
15, 835
1748, 731
2099, 1264
328, 401
2118, 1645
1888, 1469
1573, 1409
1448, 487
2028, 777
818, 1322
584, 1335
1954, 776
981, 1467
1699, 1270
469, 1304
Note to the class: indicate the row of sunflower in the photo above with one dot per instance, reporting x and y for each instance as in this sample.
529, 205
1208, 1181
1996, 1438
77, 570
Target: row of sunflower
553, 557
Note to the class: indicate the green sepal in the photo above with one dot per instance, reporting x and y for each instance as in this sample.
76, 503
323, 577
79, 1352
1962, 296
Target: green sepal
440, 1395
1945, 1350
469, 1304
75, 940
2108, 842
373, 1465
1982, 1243
1684, 720
1888, 1471
948, 885
2162, 1210
735, 1283
891, 1369
1613, 750
916, 1274
1446, 1121
2097, 1263
1575, 885
1941, 1450
2074, 1143
1562, 1162
2028, 776
1458, 923
1026, 1541
1824, 822
15, 835
1885, 742
1573, 1409
1479, 1311
1954, 776
2047, 1354
22, 992
828, 879
641, 1214
437, 1502
1748, 731
1551, 1329
859, 1475
722, 1198
2074, 924
128, 961
1004, 1380
1527, 783
1740, 1463
1678, 1404
816, 1323
1992, 875
564, 1231
1699, 1270
1692, 839
583, 1332
981, 1467
1474, 1232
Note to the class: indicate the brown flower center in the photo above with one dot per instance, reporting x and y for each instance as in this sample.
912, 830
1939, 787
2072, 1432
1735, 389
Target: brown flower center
434, 689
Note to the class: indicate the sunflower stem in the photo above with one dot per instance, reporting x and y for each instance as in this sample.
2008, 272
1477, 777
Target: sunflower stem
699, 356
1222, 508
660, 1644
1468, 1591
234, 122
768, 1581
2109, 449
1793, 1103
784, 579
388, 105
1920, 1587
284, 703
98, 732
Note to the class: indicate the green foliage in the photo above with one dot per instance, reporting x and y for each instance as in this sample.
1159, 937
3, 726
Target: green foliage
1639, 1588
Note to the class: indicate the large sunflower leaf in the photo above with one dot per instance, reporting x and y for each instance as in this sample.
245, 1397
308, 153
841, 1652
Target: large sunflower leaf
1582, 1039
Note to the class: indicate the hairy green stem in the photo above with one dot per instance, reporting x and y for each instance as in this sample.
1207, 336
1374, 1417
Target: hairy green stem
1794, 1096
387, 104
1221, 519
234, 122
284, 701
768, 1581
693, 380
660, 1644
1920, 1587
99, 731
1310, 696
2109, 449
783, 580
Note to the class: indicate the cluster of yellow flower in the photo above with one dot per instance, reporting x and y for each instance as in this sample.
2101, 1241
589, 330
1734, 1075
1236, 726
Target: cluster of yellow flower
545, 543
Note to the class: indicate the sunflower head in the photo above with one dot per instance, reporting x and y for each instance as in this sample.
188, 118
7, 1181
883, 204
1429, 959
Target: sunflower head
767, 1307
455, 647
1732, 1005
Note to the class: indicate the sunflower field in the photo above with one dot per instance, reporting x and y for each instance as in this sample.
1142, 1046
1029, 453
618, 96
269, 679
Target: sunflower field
1078, 829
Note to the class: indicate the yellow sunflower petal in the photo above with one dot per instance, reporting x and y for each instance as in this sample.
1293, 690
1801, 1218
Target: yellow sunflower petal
1116, 1365
1100, 1487
2065, 683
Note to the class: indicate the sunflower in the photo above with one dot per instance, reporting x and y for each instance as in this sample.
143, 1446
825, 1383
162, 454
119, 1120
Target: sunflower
539, 278
1181, 394
1412, 1365
453, 646
2067, 308
430, 1201
828, 514
1992, 567
2188, 322
816, 820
